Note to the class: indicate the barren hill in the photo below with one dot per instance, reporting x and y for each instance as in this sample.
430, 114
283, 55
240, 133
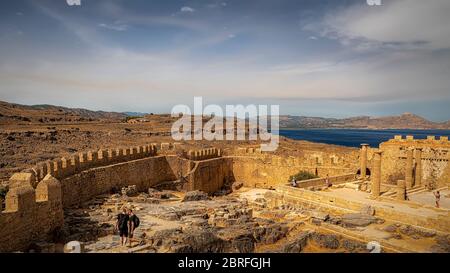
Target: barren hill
11, 113
404, 121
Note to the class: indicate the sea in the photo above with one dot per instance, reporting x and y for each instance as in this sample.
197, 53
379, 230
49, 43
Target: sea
354, 137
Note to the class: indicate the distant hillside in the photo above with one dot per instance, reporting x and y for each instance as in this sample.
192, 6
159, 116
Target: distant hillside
404, 121
135, 114
11, 113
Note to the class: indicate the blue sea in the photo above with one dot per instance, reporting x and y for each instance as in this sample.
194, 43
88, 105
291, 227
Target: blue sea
354, 137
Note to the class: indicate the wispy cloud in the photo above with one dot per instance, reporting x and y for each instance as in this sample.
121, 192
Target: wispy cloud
187, 9
116, 27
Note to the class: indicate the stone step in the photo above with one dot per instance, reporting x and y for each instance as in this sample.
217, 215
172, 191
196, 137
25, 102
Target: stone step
414, 190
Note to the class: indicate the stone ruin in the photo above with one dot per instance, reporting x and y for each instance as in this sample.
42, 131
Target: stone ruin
36, 198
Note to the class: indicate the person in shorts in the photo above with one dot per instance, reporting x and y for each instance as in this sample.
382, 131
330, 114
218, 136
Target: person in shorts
122, 226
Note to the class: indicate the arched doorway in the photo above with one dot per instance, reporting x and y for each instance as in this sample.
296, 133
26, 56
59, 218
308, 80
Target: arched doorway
367, 172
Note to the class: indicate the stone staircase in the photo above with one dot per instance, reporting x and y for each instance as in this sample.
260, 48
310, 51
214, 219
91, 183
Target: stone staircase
409, 192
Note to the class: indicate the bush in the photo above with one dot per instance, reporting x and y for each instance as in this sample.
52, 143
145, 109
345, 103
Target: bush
132, 117
303, 175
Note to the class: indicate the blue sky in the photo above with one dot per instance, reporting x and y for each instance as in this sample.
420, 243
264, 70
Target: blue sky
321, 58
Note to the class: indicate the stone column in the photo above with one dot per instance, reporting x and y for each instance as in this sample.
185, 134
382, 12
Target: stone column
418, 178
363, 160
401, 190
376, 174
409, 168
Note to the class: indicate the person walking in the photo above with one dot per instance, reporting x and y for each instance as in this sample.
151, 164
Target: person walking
437, 196
122, 226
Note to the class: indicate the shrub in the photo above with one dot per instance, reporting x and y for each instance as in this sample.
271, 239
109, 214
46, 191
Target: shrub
303, 175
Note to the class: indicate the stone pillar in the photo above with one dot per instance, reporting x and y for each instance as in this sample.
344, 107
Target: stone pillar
418, 177
409, 168
401, 190
376, 174
363, 160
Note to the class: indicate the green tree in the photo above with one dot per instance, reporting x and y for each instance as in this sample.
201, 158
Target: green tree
303, 175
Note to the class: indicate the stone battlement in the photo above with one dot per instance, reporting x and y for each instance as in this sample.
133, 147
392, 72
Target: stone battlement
429, 140
204, 154
67, 166
30, 214
247, 151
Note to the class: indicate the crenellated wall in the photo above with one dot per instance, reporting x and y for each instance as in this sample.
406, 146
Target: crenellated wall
66, 167
143, 173
31, 214
204, 154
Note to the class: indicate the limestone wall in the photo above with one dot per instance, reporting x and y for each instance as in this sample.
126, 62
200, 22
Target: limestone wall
335, 180
435, 156
143, 173
266, 171
66, 167
204, 154
30, 215
211, 175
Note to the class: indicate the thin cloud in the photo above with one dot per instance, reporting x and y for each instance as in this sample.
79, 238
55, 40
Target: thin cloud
114, 27
187, 9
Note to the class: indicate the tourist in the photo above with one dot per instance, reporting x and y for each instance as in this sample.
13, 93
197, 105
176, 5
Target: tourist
294, 182
122, 226
437, 195
327, 181
133, 223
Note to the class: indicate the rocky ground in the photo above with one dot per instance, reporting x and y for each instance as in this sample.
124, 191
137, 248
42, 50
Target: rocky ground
174, 222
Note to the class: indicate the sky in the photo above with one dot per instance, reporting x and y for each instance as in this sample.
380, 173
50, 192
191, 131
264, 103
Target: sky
315, 58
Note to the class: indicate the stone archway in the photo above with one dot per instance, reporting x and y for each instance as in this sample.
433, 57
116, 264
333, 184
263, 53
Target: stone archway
367, 172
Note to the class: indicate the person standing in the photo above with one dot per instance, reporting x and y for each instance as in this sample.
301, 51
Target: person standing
122, 226
327, 181
133, 223
437, 195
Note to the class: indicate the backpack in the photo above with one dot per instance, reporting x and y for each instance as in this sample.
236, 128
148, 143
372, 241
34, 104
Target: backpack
136, 221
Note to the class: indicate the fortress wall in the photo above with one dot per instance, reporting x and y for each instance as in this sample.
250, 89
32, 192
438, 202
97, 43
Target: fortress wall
68, 166
211, 175
30, 215
269, 171
143, 173
204, 154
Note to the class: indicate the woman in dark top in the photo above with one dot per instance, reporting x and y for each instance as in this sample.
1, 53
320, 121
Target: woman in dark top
122, 225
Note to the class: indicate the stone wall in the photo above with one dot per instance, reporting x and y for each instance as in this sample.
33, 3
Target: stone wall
211, 175
268, 171
335, 180
143, 173
66, 167
204, 154
31, 214
434, 165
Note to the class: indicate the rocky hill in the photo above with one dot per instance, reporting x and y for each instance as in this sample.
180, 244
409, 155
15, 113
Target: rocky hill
11, 113
404, 121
